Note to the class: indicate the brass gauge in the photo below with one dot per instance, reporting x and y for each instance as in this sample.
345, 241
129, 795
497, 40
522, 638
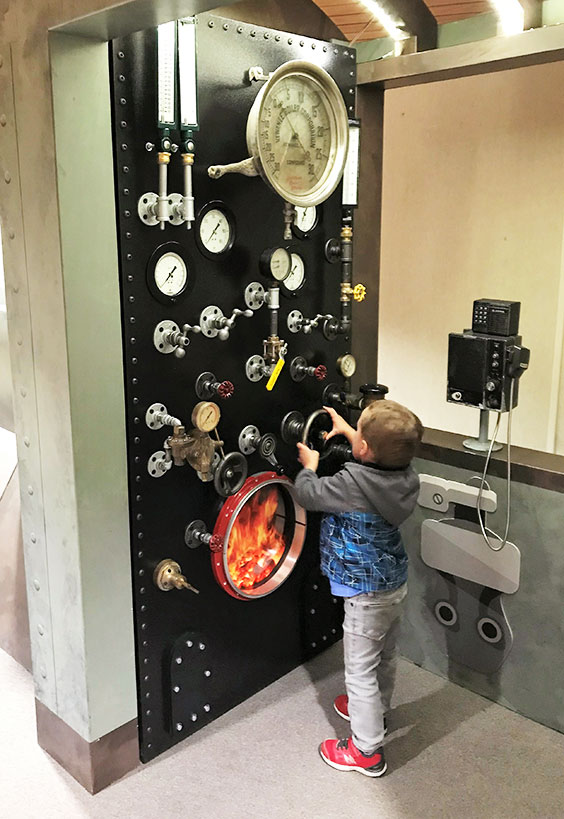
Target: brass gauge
305, 220
206, 415
275, 263
346, 365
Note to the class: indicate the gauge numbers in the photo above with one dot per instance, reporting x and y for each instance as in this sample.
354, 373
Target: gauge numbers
300, 130
215, 230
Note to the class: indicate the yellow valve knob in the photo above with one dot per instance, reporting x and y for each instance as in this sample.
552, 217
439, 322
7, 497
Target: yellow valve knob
359, 292
275, 373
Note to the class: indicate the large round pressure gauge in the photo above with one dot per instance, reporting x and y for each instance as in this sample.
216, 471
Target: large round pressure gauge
298, 131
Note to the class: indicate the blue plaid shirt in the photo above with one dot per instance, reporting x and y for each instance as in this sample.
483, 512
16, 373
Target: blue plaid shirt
363, 551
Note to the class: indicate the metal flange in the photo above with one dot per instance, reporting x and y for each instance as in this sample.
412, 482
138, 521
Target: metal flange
248, 439
295, 321
156, 465
255, 368
208, 317
162, 329
147, 209
254, 295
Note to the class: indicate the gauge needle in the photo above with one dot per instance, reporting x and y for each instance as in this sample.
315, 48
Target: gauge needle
171, 272
213, 231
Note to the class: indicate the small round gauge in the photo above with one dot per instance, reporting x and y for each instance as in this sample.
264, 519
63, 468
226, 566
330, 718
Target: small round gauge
215, 230
305, 220
171, 274
296, 277
168, 272
346, 365
206, 415
276, 263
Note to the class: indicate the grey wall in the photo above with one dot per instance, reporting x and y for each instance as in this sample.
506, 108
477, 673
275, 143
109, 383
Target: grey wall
531, 679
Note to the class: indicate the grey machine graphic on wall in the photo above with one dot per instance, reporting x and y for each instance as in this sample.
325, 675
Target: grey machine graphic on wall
473, 565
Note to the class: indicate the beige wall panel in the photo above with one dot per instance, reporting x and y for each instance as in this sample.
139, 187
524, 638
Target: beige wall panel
473, 207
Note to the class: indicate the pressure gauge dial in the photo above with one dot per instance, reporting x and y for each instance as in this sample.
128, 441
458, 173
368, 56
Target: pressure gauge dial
298, 133
296, 277
305, 220
168, 272
346, 365
275, 263
206, 415
215, 230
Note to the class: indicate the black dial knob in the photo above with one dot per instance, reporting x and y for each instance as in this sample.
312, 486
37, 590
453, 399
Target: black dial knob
372, 392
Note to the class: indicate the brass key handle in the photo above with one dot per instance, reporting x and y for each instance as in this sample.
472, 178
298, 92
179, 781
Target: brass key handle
168, 575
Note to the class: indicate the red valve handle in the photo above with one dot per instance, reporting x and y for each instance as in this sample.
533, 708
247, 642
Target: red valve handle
216, 543
320, 372
225, 389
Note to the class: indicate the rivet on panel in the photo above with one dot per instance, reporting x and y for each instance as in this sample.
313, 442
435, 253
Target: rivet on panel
1, 61
23, 392
33, 537
211, 24
43, 673
30, 490
226, 26
19, 342
314, 45
3, 120
121, 55
176, 689
41, 630
207, 708
239, 29
16, 290
36, 585
11, 234
193, 717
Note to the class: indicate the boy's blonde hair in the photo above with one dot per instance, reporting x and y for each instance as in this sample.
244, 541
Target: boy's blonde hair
392, 432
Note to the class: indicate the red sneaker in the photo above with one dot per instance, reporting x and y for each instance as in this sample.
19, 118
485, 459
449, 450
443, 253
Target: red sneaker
343, 755
341, 706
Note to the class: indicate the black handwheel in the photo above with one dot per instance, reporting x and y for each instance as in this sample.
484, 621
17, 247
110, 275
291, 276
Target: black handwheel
315, 429
230, 474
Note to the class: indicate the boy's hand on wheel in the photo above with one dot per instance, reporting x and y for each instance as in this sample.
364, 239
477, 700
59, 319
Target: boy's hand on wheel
309, 458
340, 426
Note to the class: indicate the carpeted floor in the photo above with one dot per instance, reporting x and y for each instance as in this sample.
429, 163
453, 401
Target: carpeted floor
450, 754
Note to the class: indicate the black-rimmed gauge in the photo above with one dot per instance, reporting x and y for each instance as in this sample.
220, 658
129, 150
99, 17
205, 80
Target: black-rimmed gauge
168, 272
215, 230
346, 365
275, 263
305, 221
296, 277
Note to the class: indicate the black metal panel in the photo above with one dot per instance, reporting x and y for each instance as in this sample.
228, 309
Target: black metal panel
249, 643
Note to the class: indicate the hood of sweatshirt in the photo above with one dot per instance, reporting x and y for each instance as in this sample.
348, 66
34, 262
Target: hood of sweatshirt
391, 492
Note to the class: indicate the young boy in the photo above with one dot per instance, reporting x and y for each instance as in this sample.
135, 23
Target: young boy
363, 556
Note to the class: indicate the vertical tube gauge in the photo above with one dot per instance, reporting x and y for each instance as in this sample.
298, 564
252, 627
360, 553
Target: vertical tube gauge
188, 108
350, 174
166, 110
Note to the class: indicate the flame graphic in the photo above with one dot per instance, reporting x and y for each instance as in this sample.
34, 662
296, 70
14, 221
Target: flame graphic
255, 546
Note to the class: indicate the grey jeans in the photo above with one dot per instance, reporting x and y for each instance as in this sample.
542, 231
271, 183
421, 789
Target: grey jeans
370, 629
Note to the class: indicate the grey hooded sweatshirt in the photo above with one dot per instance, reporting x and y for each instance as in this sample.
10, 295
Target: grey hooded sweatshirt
358, 487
